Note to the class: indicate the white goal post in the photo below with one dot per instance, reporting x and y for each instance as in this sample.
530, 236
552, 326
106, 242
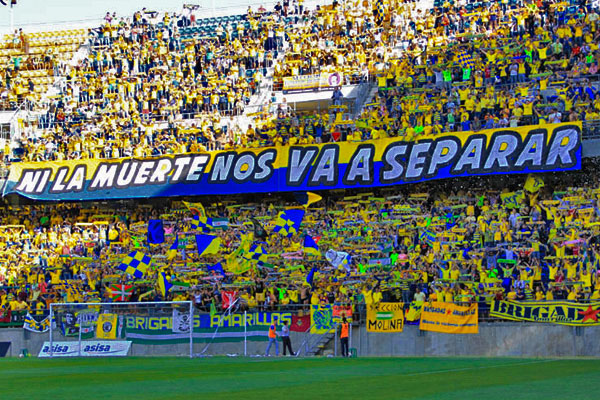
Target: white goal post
102, 329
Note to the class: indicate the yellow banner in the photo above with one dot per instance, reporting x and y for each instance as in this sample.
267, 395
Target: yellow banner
107, 326
449, 318
315, 81
554, 312
385, 317
321, 319
513, 199
367, 164
533, 183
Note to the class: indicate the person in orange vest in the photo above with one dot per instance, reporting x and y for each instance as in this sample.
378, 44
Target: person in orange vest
344, 336
273, 339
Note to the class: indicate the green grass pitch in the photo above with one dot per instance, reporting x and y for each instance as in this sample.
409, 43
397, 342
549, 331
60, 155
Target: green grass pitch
313, 378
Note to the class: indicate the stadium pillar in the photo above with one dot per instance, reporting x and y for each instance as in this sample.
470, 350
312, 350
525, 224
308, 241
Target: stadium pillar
359, 339
11, 20
245, 328
50, 330
191, 330
335, 341
350, 338
80, 326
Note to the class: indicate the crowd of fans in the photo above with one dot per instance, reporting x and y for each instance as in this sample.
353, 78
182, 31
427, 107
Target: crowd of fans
171, 84
458, 67
30, 62
489, 67
166, 84
430, 241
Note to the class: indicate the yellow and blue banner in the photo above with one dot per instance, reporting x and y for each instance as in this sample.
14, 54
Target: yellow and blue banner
553, 312
201, 223
208, 244
74, 293
372, 163
321, 319
288, 222
107, 325
195, 209
307, 198
172, 252
257, 253
465, 60
533, 183
32, 325
310, 246
136, 264
163, 284
512, 199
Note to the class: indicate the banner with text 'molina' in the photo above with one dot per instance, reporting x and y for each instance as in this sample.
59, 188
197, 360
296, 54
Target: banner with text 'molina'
385, 317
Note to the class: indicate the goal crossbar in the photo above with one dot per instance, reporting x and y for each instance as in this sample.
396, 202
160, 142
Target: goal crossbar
54, 306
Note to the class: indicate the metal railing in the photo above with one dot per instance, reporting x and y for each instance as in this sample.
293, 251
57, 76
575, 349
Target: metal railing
591, 129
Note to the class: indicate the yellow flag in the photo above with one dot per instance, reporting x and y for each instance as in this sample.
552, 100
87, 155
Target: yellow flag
414, 312
512, 199
107, 326
91, 282
196, 208
313, 198
235, 262
533, 183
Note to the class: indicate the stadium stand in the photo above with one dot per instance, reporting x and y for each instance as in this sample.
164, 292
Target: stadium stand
174, 85
462, 245
31, 61
148, 79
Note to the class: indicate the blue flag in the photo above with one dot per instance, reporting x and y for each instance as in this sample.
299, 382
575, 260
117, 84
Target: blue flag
208, 244
311, 275
163, 284
288, 222
156, 232
218, 267
310, 246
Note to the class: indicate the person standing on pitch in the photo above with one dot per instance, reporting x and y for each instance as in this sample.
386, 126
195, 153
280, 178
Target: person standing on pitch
344, 336
273, 339
285, 337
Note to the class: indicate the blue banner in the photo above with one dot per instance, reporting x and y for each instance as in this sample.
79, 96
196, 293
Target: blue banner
366, 164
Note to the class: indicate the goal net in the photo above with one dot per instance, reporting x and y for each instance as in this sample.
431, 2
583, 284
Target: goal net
120, 329
165, 329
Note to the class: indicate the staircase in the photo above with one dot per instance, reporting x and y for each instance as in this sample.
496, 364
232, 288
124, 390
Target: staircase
315, 345
361, 101
60, 82
323, 342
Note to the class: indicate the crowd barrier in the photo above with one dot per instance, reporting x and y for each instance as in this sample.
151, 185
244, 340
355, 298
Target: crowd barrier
15, 319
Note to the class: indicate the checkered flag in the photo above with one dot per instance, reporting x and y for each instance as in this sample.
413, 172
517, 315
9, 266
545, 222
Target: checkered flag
465, 60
